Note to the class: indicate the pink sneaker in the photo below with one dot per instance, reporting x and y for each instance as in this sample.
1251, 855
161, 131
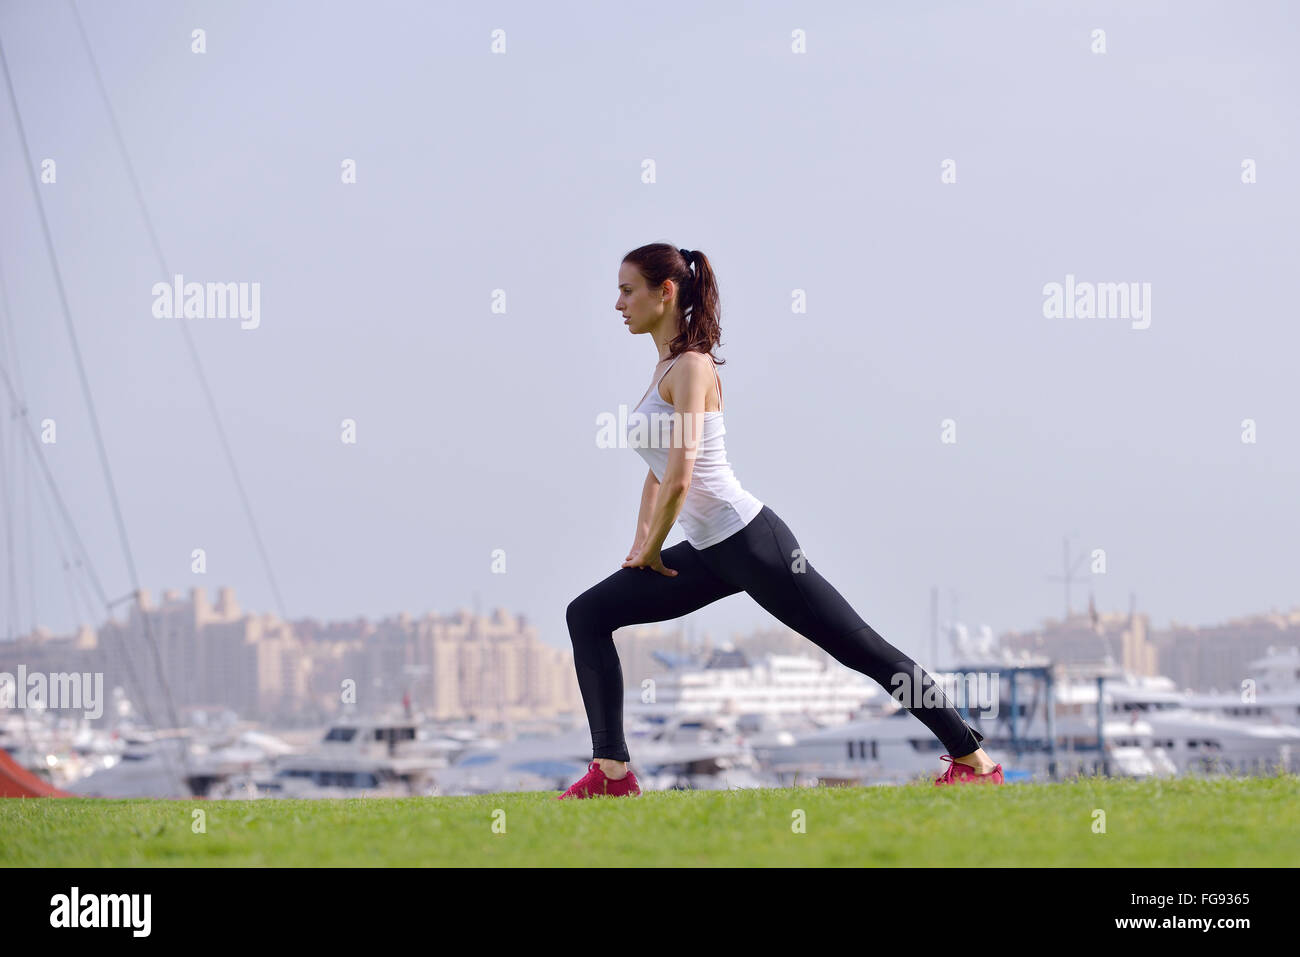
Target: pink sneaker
595, 784
964, 774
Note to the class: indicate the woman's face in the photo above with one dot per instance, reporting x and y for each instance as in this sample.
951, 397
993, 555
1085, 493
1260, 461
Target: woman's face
642, 308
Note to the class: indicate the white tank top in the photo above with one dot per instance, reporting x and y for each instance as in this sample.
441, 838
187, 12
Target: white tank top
715, 506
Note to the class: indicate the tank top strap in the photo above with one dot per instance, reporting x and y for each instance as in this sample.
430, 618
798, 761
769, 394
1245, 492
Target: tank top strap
655, 387
665, 372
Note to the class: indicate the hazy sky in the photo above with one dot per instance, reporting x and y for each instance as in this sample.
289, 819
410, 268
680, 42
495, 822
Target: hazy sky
522, 171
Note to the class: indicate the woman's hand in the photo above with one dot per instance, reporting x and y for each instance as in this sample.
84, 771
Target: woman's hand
645, 558
636, 547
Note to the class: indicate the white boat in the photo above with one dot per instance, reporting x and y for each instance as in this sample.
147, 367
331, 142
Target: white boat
150, 766
58, 750
355, 758
899, 749
731, 682
1273, 695
683, 752
543, 763
1195, 733
1149, 727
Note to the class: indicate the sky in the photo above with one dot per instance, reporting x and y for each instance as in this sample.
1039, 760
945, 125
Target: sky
916, 173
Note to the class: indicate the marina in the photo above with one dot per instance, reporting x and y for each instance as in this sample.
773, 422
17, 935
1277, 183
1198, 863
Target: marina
726, 722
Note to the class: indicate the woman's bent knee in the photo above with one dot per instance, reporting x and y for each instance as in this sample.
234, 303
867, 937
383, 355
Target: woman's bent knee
582, 617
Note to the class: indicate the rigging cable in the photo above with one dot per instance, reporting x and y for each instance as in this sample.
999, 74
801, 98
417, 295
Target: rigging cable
90, 402
184, 327
9, 340
133, 677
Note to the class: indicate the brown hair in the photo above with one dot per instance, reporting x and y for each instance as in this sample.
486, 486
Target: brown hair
699, 310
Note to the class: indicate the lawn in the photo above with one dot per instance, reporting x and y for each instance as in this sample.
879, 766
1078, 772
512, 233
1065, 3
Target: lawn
1088, 822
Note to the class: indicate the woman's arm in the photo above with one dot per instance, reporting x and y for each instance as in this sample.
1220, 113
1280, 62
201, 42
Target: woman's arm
689, 392
648, 493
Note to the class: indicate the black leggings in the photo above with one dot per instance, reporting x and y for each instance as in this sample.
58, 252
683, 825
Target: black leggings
764, 560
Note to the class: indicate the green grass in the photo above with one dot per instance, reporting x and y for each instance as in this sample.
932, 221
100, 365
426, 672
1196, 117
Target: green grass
1187, 822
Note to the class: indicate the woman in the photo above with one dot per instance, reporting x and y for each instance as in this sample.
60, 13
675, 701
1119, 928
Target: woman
733, 543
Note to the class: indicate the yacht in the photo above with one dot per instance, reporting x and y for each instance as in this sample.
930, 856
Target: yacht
696, 752
355, 758
150, 765
1149, 727
1274, 697
733, 682
1195, 731
899, 749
